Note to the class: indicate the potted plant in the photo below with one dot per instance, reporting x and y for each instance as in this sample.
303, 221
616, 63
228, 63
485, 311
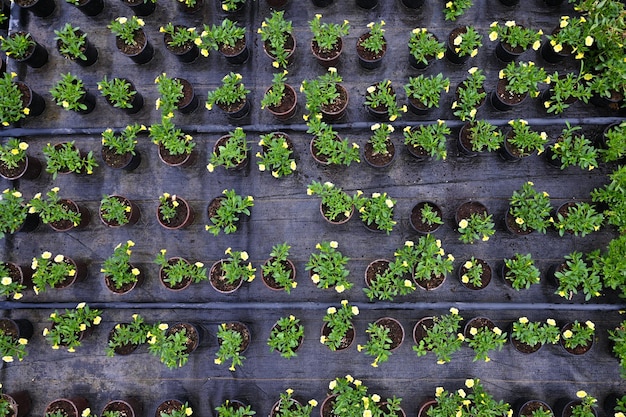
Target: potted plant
376, 212
276, 154
528, 336
15, 163
328, 267
613, 147
463, 43
180, 41
612, 196
617, 336
338, 332
55, 272
175, 147
286, 336
173, 408
178, 273
17, 100
121, 93
470, 95
424, 47
66, 157
120, 276
427, 140
576, 274
327, 44
478, 136
424, 92
68, 407
118, 211
287, 406
13, 280
278, 272
124, 338
225, 212
326, 95
60, 214
22, 47
278, 40
72, 43
520, 271
513, 39
280, 98
569, 36
522, 141
426, 217
483, 336
379, 150
14, 214
456, 8
475, 273
230, 151
327, 147
425, 260
573, 149
372, 45
380, 100
175, 93
227, 275
515, 82
577, 338
173, 344
230, 96
440, 335
88, 7
233, 340
228, 38
131, 39
336, 205
385, 280
234, 409
578, 218
190, 6
385, 336
232, 5
69, 328
120, 408
16, 404
529, 210
119, 150
584, 405
70, 93
141, 7
14, 335
609, 264
475, 223
566, 89
174, 212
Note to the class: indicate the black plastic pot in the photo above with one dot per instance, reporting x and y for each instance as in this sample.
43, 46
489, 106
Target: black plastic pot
451, 55
507, 54
37, 58
184, 55
367, 4
550, 55
509, 2
91, 7
187, 106
88, 100
190, 10
236, 57
35, 103
91, 53
498, 103
143, 56
239, 112
40, 8
141, 7
413, 4
322, 3
30, 171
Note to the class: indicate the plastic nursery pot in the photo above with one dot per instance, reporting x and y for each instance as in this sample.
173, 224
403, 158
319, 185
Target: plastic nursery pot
477, 322
426, 405
125, 289
288, 105
330, 58
579, 350
243, 330
238, 166
506, 53
563, 210
237, 110
379, 160
65, 225
132, 216
522, 347
367, 59
19, 402
123, 350
337, 109
276, 407
183, 218
215, 204
611, 103
90, 7
508, 152
195, 334
290, 47
465, 210
367, 4
19, 274
190, 10
16, 328
550, 55
348, 339
237, 54
126, 161
186, 281
381, 112
183, 160
79, 276
326, 410
464, 141
451, 55
433, 283
90, 51
140, 7
189, 101
186, 53
503, 100
37, 55
28, 169
167, 407
130, 407
528, 407
71, 407
270, 282
39, 8
340, 219
563, 407
218, 280
420, 65
396, 331
421, 328
31, 99
374, 268
514, 228
412, 4
415, 218
136, 103
485, 277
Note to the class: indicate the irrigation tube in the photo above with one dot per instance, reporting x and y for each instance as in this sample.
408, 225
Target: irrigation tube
229, 306
257, 128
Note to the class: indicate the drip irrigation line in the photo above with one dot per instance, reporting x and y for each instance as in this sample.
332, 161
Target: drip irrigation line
230, 306
301, 127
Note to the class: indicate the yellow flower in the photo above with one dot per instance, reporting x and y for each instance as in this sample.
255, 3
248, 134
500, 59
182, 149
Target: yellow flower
536, 45
331, 310
463, 224
86, 412
581, 394
590, 324
457, 41
6, 281
589, 40
438, 391
244, 256
81, 305
497, 331
217, 361
22, 341
454, 310
461, 392
551, 322
523, 320
469, 383
163, 326
97, 320
313, 403
367, 413
473, 331
355, 310
7, 358
567, 334
188, 411
17, 295
376, 398
58, 258
46, 255
315, 278
82, 327
332, 384
493, 36
340, 289
333, 244
23, 146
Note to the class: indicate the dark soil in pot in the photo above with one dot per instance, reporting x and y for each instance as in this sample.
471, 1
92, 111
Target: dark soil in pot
433, 283
287, 107
477, 322
128, 408
126, 161
184, 216
396, 332
522, 347
243, 330
29, 169
421, 327
416, 218
337, 109
485, 277
186, 281
377, 267
290, 47
193, 337
126, 349
514, 228
327, 58
527, 409
168, 407
218, 281
579, 350
369, 58
270, 282
466, 210
348, 339
126, 288
341, 217
65, 225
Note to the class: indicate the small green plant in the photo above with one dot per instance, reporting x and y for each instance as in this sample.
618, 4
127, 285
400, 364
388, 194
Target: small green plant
567, 87
232, 206
13, 152
574, 149
13, 211
180, 36
380, 139
181, 270
485, 339
69, 92
11, 104
580, 334
382, 95
277, 156
231, 344
67, 158
327, 35
390, 283
612, 194
618, 337
216, 37
427, 89
231, 5
18, 45
229, 409
10, 349
133, 333
52, 209
183, 411
610, 265
231, 93
429, 215
471, 94
523, 77
479, 226
577, 275
171, 138
126, 29
171, 349
322, 91
235, 269
275, 94
286, 336
521, 271
615, 146
10, 288
289, 407
473, 272
114, 210
170, 94
335, 201
117, 267
125, 141
118, 92
586, 406
467, 42
515, 35
376, 41
533, 333
328, 267
580, 219
276, 269
168, 206
329, 145
72, 42
432, 138
443, 338
423, 260
485, 136
377, 211
456, 8
530, 208
67, 327
423, 46
232, 152
275, 32
524, 139
339, 322
378, 345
